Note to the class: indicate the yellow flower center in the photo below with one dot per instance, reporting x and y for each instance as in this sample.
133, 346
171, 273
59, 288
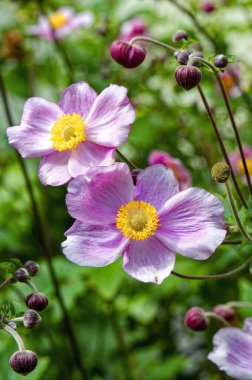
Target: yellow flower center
137, 220
57, 20
68, 132
241, 168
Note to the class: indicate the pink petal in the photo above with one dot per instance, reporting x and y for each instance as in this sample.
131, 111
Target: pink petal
233, 352
32, 138
192, 223
95, 246
82, 19
53, 168
78, 98
148, 260
108, 122
87, 155
96, 198
156, 185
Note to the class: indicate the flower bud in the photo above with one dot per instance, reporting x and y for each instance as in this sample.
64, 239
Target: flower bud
127, 55
37, 301
32, 267
208, 7
179, 35
134, 174
23, 362
21, 275
183, 56
221, 172
188, 76
195, 319
220, 61
226, 312
31, 319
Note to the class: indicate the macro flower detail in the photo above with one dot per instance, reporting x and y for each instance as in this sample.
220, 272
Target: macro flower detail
61, 23
236, 161
82, 131
146, 224
232, 351
182, 175
132, 28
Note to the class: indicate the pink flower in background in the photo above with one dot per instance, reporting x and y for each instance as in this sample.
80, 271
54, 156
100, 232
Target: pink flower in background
180, 172
232, 351
146, 224
231, 81
61, 23
236, 161
208, 6
132, 28
82, 131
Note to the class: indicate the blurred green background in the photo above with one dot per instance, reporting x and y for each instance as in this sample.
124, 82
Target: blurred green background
125, 329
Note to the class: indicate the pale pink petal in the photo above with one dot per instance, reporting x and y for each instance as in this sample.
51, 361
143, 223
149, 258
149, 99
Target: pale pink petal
192, 223
108, 122
78, 98
155, 185
87, 155
53, 168
32, 137
82, 19
148, 260
96, 198
233, 352
94, 246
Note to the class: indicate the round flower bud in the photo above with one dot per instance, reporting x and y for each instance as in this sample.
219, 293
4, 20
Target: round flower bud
195, 319
32, 267
226, 312
37, 301
23, 362
179, 35
188, 76
127, 55
183, 56
221, 172
31, 319
208, 7
21, 275
220, 61
134, 174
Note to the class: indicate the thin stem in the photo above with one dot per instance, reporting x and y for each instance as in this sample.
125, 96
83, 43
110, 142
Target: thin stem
32, 286
15, 335
239, 304
236, 213
123, 158
152, 41
18, 319
64, 57
221, 143
6, 283
232, 242
219, 276
210, 314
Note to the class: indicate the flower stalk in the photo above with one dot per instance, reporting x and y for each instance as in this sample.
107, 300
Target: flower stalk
217, 317
15, 335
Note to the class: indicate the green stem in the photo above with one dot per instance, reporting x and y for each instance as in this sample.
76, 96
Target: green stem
210, 314
18, 319
15, 335
7, 282
123, 158
239, 304
32, 286
152, 41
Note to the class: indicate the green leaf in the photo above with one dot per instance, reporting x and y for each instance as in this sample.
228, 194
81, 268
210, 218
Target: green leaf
231, 58
11, 310
8, 266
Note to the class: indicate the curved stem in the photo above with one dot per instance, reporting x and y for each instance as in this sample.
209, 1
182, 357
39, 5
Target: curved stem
239, 304
217, 317
152, 41
219, 276
232, 242
32, 286
18, 319
6, 283
236, 213
221, 144
123, 158
16, 336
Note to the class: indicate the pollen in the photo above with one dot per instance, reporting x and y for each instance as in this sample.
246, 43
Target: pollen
137, 220
57, 20
241, 168
67, 132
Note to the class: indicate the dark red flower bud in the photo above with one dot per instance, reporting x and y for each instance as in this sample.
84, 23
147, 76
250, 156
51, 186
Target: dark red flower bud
226, 312
21, 275
37, 301
23, 362
220, 61
32, 267
195, 319
31, 319
208, 7
134, 174
188, 76
127, 55
179, 35
183, 56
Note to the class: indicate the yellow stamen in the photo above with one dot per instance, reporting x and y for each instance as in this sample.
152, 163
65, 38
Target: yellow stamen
137, 220
241, 168
57, 20
68, 132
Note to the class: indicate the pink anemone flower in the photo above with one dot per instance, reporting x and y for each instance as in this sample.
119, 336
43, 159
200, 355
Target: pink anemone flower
61, 23
132, 28
82, 131
231, 81
181, 173
236, 161
146, 224
232, 351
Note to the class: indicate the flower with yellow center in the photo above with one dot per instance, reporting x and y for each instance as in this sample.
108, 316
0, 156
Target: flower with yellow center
57, 20
67, 132
240, 166
137, 220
